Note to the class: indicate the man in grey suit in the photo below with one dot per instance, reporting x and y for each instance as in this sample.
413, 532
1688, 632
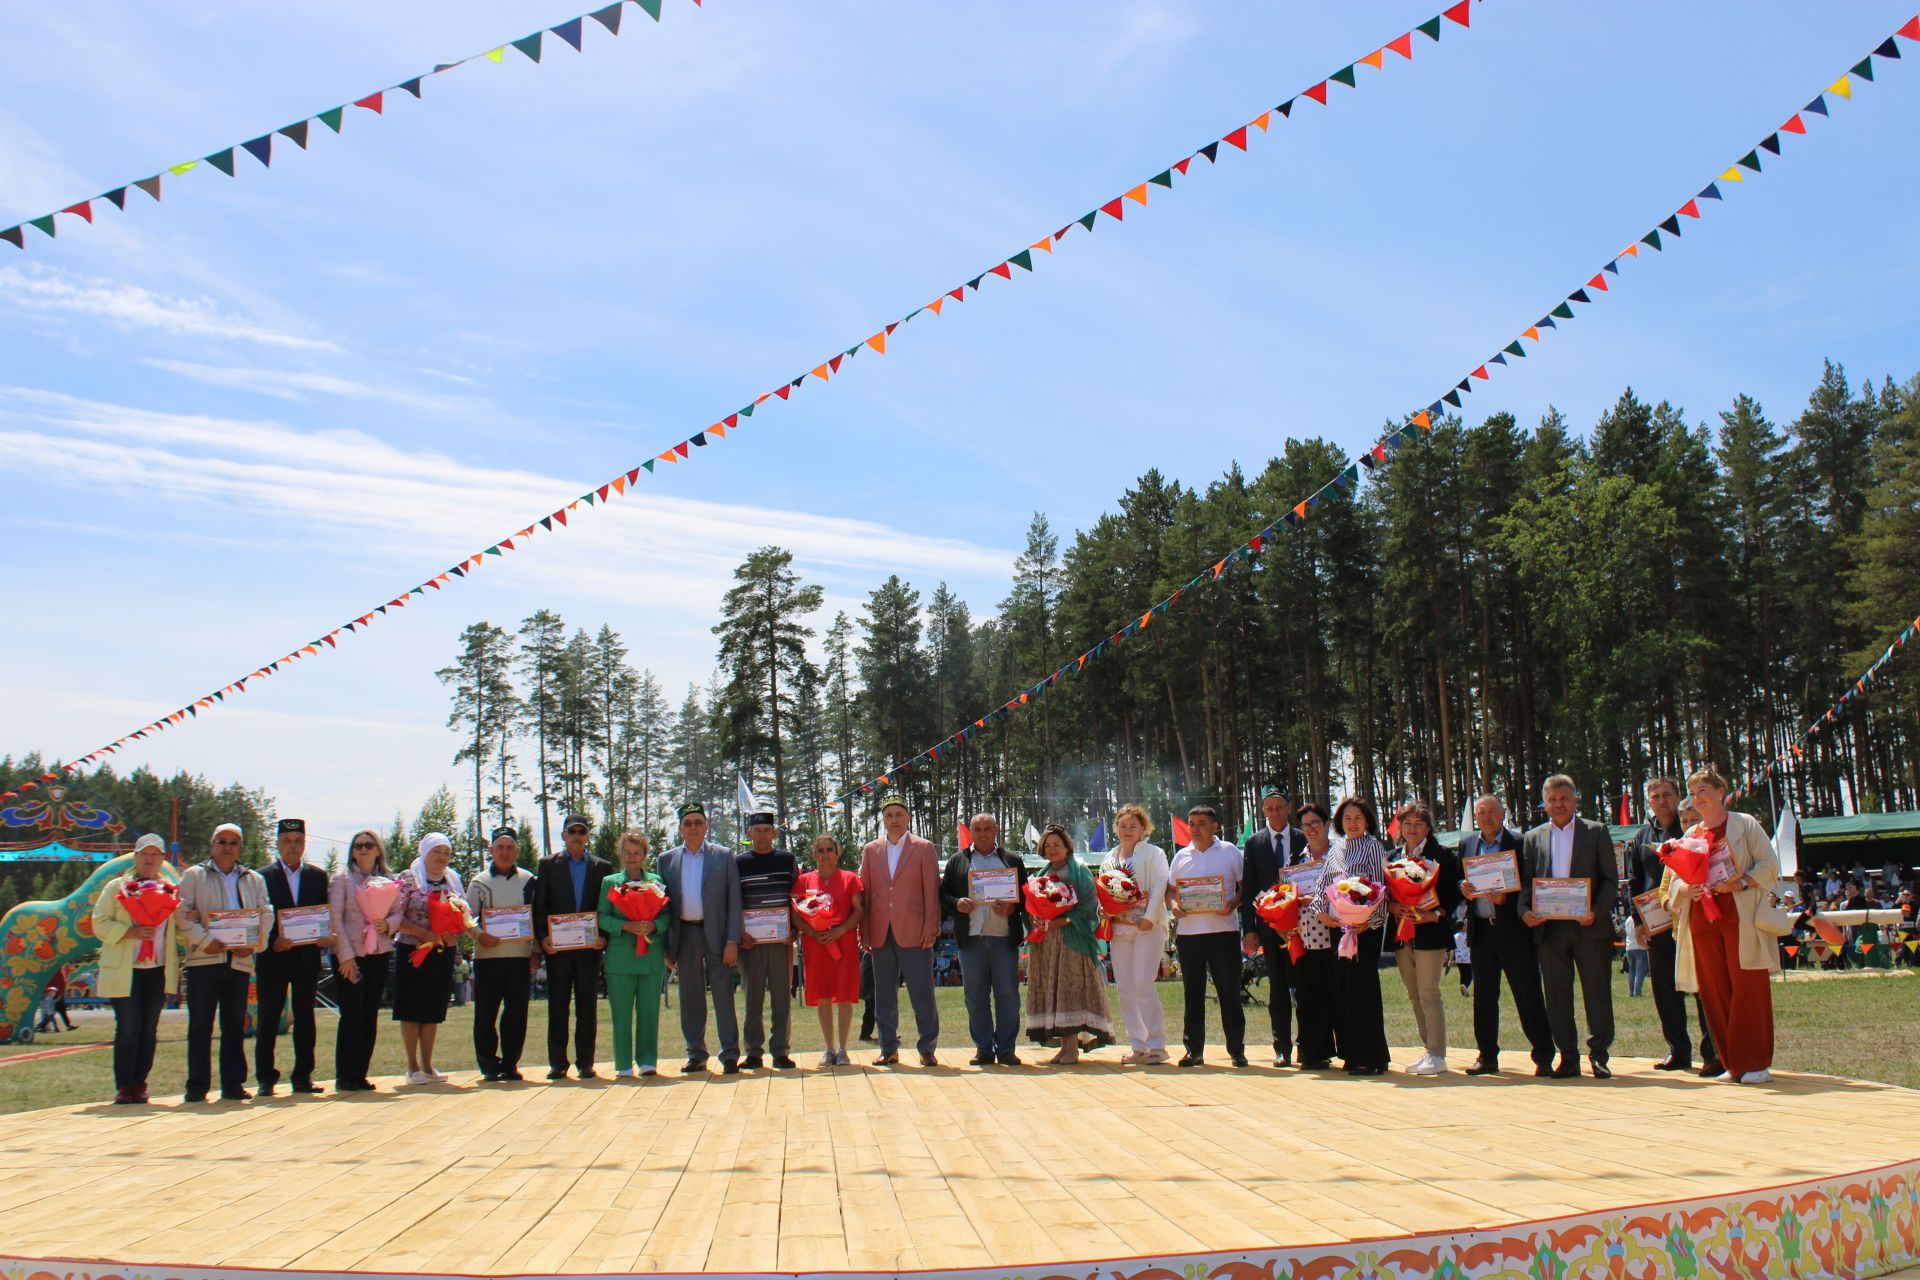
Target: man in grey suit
703, 937
1568, 846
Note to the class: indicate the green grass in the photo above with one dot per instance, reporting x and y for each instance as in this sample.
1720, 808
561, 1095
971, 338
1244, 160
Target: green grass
1864, 1027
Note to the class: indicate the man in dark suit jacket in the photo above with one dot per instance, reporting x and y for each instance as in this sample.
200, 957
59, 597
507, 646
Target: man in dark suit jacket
1644, 870
568, 883
1570, 847
1501, 945
703, 936
285, 967
1275, 845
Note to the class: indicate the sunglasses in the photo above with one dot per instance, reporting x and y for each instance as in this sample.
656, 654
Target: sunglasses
365, 844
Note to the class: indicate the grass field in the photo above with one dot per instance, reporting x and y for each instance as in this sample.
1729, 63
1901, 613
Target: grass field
1864, 1026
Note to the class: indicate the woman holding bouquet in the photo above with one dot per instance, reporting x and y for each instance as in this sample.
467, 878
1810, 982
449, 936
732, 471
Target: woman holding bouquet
831, 959
139, 968
1313, 972
634, 980
1140, 937
362, 958
1729, 960
1422, 959
1359, 1021
1066, 988
421, 991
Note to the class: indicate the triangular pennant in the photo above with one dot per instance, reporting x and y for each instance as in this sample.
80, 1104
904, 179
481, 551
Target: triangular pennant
150, 185
529, 45
1564, 311
834, 364
1480, 373
495, 55
1179, 166
1795, 125
1690, 209
1023, 259
1430, 28
45, 223
1599, 281
648, 464
608, 17
1580, 296
333, 117
1771, 143
119, 197
1864, 68
184, 166
1670, 224
1452, 398
412, 86
1402, 44
1212, 152
296, 134
1139, 194
14, 236
1651, 239
570, 32
1841, 88
1709, 192
1460, 12
1818, 106
1514, 349
1112, 209
83, 210
878, 342
1497, 358
1004, 271
1318, 93
223, 161
1531, 334
1285, 109
372, 102
651, 6
1164, 178
1377, 59
261, 149
1343, 76
822, 372
1912, 30
1751, 160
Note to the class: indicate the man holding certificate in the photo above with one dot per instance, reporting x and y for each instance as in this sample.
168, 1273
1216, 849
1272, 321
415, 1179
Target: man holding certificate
1499, 941
503, 962
981, 890
1568, 902
302, 927
566, 919
1203, 893
1644, 870
766, 940
224, 914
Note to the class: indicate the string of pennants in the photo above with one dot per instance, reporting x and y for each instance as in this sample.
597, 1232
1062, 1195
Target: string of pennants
227, 159
1240, 138
1349, 479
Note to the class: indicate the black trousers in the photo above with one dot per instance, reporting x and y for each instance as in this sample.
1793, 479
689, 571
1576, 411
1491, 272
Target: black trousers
1564, 953
573, 978
216, 992
502, 988
278, 975
1313, 1003
1215, 956
1279, 989
360, 1004
1359, 1020
1497, 955
136, 1027
1671, 1004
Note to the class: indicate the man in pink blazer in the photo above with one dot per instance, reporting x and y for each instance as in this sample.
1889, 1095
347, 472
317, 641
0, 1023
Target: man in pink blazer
901, 873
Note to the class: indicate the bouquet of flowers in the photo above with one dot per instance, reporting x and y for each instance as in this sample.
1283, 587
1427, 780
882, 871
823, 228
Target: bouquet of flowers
1411, 882
376, 898
638, 900
446, 913
1279, 906
1352, 901
1118, 892
823, 911
1690, 858
1048, 898
149, 902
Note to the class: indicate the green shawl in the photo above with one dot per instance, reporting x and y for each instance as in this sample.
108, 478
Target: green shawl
1076, 927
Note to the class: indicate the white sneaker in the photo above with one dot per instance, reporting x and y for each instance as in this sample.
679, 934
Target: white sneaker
1439, 1061
438, 1077
648, 1070
624, 1073
1134, 1058
1762, 1076
1426, 1066
419, 1077
1155, 1057
1728, 1078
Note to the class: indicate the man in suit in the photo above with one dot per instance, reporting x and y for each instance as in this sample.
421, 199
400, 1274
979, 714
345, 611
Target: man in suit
217, 973
1277, 844
703, 936
566, 884
289, 967
1567, 846
1644, 870
901, 873
1501, 945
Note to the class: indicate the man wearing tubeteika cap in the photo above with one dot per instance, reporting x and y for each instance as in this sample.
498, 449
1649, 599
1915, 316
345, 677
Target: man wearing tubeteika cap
568, 883
703, 936
288, 968
766, 883
901, 873
502, 967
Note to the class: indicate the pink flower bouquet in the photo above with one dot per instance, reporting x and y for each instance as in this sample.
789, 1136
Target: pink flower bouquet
1352, 901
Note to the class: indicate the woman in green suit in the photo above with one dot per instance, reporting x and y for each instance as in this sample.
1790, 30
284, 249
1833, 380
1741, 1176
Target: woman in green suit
634, 980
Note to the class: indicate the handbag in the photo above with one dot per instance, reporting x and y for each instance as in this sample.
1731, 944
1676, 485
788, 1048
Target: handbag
1770, 917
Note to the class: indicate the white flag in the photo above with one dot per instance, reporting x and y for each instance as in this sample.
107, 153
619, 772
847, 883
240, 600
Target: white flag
1786, 843
747, 803
1466, 817
1033, 836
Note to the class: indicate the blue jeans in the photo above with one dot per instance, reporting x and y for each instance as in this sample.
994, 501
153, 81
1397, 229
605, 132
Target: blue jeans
1637, 967
990, 974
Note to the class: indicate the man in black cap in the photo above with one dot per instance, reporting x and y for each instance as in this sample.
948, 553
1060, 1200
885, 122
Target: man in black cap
1277, 845
289, 966
568, 883
703, 936
766, 884
502, 967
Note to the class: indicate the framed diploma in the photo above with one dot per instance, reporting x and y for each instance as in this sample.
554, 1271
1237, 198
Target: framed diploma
234, 928
1203, 895
300, 925
1491, 873
1001, 884
1305, 878
506, 923
1562, 898
1653, 913
573, 930
765, 924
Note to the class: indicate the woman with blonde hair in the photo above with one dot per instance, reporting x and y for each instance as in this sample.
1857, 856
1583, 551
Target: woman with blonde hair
362, 960
634, 980
1140, 936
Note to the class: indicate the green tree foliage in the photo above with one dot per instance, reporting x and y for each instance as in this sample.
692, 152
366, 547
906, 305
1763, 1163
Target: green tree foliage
763, 651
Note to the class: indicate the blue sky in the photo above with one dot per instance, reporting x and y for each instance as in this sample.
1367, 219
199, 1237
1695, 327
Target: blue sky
232, 421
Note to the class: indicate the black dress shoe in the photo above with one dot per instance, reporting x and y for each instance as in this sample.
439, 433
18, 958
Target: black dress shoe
1366, 1071
1192, 1060
490, 1077
588, 1073
234, 1095
694, 1067
729, 1068
1601, 1071
1566, 1070
1711, 1071
1673, 1064
1484, 1067
887, 1060
193, 1097
557, 1073
782, 1062
1009, 1059
1542, 1071
928, 1058
1238, 1059
752, 1062
508, 1074
266, 1090
1317, 1064
307, 1086
981, 1060
1283, 1057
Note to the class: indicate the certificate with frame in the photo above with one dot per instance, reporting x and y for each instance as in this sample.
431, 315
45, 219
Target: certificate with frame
301, 925
508, 923
1491, 873
1203, 895
1653, 912
993, 884
239, 928
1562, 897
1304, 877
766, 924
573, 930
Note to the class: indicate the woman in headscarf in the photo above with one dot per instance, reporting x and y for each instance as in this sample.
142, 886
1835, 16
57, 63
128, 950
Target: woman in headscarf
421, 992
1066, 987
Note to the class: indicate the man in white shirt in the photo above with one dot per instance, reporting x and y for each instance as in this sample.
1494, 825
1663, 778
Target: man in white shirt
1203, 895
1568, 846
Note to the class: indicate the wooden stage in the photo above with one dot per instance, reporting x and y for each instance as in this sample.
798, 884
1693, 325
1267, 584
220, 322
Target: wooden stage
875, 1170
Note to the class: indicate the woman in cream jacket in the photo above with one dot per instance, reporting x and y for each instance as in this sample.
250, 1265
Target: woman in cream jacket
138, 988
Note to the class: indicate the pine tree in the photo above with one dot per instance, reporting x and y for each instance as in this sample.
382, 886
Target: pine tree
485, 706
542, 662
763, 646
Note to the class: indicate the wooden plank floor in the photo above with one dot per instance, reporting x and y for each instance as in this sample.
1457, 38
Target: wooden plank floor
869, 1169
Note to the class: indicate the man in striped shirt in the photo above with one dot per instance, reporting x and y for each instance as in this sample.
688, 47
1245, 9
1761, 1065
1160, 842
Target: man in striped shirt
766, 887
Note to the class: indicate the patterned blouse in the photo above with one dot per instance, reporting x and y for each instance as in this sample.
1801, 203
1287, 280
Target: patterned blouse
1361, 856
1314, 934
413, 899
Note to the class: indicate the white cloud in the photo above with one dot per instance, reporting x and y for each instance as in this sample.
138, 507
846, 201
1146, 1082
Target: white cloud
47, 290
299, 384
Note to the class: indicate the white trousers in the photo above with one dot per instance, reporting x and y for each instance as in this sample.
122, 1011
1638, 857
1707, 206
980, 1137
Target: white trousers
1136, 963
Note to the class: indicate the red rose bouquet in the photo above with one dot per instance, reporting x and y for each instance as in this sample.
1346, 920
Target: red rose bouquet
1352, 901
638, 900
148, 902
1411, 884
1119, 893
446, 913
1690, 858
823, 911
1279, 906
1048, 898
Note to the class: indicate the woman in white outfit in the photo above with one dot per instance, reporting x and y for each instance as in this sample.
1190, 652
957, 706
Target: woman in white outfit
1139, 944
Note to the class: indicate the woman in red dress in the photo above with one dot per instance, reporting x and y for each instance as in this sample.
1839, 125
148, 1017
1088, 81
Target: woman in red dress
832, 959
